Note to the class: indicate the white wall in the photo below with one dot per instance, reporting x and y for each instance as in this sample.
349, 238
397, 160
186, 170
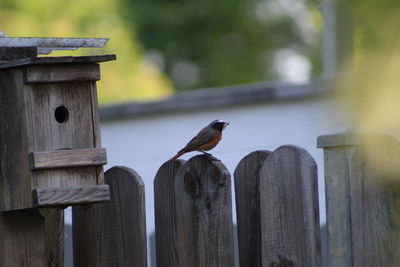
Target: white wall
145, 143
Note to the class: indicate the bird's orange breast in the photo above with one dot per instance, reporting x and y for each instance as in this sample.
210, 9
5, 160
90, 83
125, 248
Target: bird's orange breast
210, 145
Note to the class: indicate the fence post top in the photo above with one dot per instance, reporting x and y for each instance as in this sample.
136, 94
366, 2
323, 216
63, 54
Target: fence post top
343, 137
204, 159
173, 163
122, 172
348, 137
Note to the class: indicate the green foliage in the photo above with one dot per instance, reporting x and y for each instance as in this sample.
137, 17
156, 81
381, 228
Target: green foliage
196, 43
130, 77
223, 42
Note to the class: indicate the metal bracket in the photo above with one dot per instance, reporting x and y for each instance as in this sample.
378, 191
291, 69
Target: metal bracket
46, 45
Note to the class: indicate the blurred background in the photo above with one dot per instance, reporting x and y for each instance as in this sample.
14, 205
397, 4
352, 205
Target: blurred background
280, 71
168, 46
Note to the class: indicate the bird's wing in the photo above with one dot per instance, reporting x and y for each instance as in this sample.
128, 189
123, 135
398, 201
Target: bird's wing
204, 136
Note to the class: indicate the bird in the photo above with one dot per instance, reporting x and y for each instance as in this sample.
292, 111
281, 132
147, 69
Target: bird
205, 140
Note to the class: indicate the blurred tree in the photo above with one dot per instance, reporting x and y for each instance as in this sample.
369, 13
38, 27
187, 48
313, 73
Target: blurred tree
130, 77
213, 43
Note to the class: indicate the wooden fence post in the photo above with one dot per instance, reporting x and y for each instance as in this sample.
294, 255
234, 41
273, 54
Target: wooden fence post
165, 213
113, 233
338, 149
288, 219
247, 192
22, 239
32, 237
200, 213
54, 230
374, 201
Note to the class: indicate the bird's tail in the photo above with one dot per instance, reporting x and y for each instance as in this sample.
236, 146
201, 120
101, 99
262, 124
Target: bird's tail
180, 153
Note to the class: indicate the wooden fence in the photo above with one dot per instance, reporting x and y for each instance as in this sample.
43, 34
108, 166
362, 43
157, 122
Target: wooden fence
276, 204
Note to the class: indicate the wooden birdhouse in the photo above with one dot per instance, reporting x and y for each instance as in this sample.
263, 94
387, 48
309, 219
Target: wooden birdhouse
50, 149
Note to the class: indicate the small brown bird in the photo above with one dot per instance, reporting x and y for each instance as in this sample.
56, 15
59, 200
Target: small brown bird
205, 140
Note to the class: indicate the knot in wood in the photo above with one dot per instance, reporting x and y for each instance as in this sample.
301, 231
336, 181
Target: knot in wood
191, 182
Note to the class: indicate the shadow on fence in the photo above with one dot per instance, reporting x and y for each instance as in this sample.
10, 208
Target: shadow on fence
277, 211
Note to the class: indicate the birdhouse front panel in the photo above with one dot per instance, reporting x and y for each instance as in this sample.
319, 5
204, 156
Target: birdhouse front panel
62, 116
50, 149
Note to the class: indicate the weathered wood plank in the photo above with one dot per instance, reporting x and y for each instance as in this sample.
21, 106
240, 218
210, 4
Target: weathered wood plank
54, 231
61, 73
338, 149
49, 135
96, 128
57, 60
289, 209
31, 122
14, 193
65, 196
113, 233
374, 201
247, 192
165, 213
67, 158
22, 239
202, 232
10, 53
337, 179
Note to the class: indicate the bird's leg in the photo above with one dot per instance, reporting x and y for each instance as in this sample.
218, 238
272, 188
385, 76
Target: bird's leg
209, 155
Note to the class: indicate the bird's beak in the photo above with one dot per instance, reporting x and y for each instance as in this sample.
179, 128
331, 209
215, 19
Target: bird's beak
226, 124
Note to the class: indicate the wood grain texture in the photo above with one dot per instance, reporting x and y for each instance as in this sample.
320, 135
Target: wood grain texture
56, 60
374, 201
28, 124
61, 73
47, 134
22, 239
199, 215
94, 104
289, 209
15, 183
67, 158
65, 196
337, 183
54, 240
165, 213
247, 192
113, 233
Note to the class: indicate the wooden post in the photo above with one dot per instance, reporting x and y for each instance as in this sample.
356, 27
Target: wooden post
165, 213
338, 149
22, 239
200, 213
113, 233
54, 230
374, 201
289, 210
247, 189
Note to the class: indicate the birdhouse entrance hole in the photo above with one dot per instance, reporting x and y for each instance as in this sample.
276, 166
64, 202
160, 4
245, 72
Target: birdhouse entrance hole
61, 114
